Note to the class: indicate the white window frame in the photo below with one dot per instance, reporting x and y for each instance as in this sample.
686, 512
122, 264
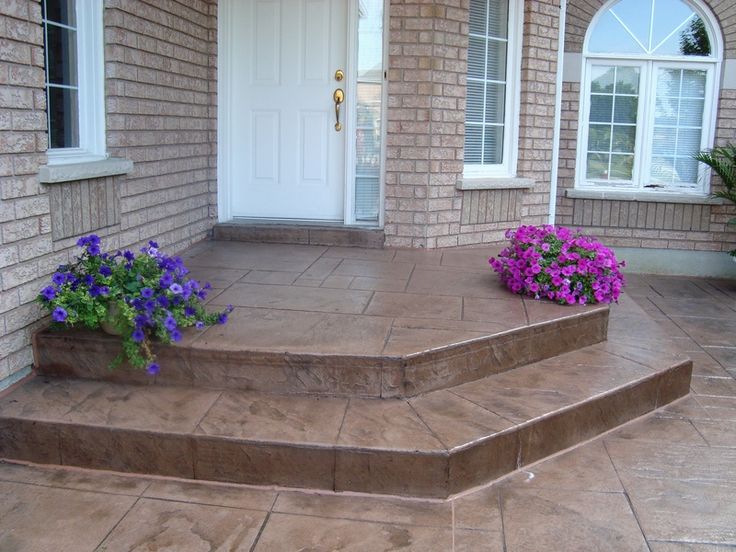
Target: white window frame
512, 102
91, 82
645, 114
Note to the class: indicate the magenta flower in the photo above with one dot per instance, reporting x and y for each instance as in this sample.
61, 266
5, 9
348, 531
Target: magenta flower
583, 272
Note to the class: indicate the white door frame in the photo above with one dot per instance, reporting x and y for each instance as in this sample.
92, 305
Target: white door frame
225, 68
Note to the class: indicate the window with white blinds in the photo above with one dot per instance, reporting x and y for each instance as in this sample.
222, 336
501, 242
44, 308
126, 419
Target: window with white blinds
490, 88
647, 97
369, 88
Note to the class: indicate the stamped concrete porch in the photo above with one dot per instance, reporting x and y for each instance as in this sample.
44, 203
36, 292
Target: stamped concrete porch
662, 483
383, 371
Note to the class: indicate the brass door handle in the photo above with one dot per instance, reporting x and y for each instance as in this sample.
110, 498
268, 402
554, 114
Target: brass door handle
339, 97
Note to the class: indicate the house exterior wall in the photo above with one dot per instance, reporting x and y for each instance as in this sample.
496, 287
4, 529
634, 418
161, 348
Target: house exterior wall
160, 65
425, 135
643, 224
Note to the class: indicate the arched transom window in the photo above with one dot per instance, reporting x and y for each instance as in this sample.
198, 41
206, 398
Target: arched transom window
648, 95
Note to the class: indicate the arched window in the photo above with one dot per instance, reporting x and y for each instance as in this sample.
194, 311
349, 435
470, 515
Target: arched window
647, 96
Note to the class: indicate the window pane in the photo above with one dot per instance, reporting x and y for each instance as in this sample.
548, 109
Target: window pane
496, 60
625, 109
473, 144
624, 138
598, 166
61, 48
478, 16
691, 112
61, 11
601, 108
495, 99
474, 102
602, 79
669, 16
665, 111
688, 142
627, 80
663, 140
686, 170
609, 36
599, 138
622, 167
663, 169
476, 57
693, 83
493, 147
498, 18
693, 39
63, 118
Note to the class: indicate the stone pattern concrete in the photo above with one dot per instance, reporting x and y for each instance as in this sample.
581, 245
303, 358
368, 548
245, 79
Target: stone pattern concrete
662, 483
160, 68
711, 232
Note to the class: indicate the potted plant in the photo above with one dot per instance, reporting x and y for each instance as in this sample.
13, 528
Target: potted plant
139, 297
558, 264
722, 160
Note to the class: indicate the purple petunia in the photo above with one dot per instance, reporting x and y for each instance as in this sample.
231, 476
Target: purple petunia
153, 368
189, 311
166, 280
175, 335
199, 324
170, 322
49, 292
105, 270
58, 278
146, 292
138, 335
176, 288
59, 314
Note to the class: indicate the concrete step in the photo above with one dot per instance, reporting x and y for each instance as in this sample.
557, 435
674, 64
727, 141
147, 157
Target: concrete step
295, 233
434, 445
237, 356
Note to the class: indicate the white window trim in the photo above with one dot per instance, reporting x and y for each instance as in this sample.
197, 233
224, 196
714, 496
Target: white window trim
91, 76
712, 66
507, 169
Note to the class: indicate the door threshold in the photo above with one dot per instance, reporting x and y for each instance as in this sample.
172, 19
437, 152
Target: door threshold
299, 232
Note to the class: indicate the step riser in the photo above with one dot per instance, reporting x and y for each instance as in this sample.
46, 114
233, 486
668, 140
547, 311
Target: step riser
337, 468
87, 355
301, 235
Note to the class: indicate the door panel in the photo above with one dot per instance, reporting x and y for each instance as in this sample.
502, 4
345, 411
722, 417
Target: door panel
288, 161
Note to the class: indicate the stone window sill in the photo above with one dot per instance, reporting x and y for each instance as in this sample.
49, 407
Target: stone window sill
657, 197
508, 183
67, 172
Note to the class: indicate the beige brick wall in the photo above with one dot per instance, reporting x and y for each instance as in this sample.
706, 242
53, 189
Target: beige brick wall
694, 228
426, 113
161, 113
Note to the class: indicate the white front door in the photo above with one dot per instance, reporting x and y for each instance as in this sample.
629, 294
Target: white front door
286, 159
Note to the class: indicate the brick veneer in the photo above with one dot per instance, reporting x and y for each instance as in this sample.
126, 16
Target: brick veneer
710, 232
426, 114
161, 113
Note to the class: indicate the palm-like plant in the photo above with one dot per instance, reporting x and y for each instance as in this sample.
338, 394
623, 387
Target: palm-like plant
722, 160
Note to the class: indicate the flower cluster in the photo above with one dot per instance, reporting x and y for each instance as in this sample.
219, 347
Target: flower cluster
558, 264
140, 296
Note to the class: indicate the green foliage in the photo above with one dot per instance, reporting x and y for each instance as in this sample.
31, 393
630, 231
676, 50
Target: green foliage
722, 160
